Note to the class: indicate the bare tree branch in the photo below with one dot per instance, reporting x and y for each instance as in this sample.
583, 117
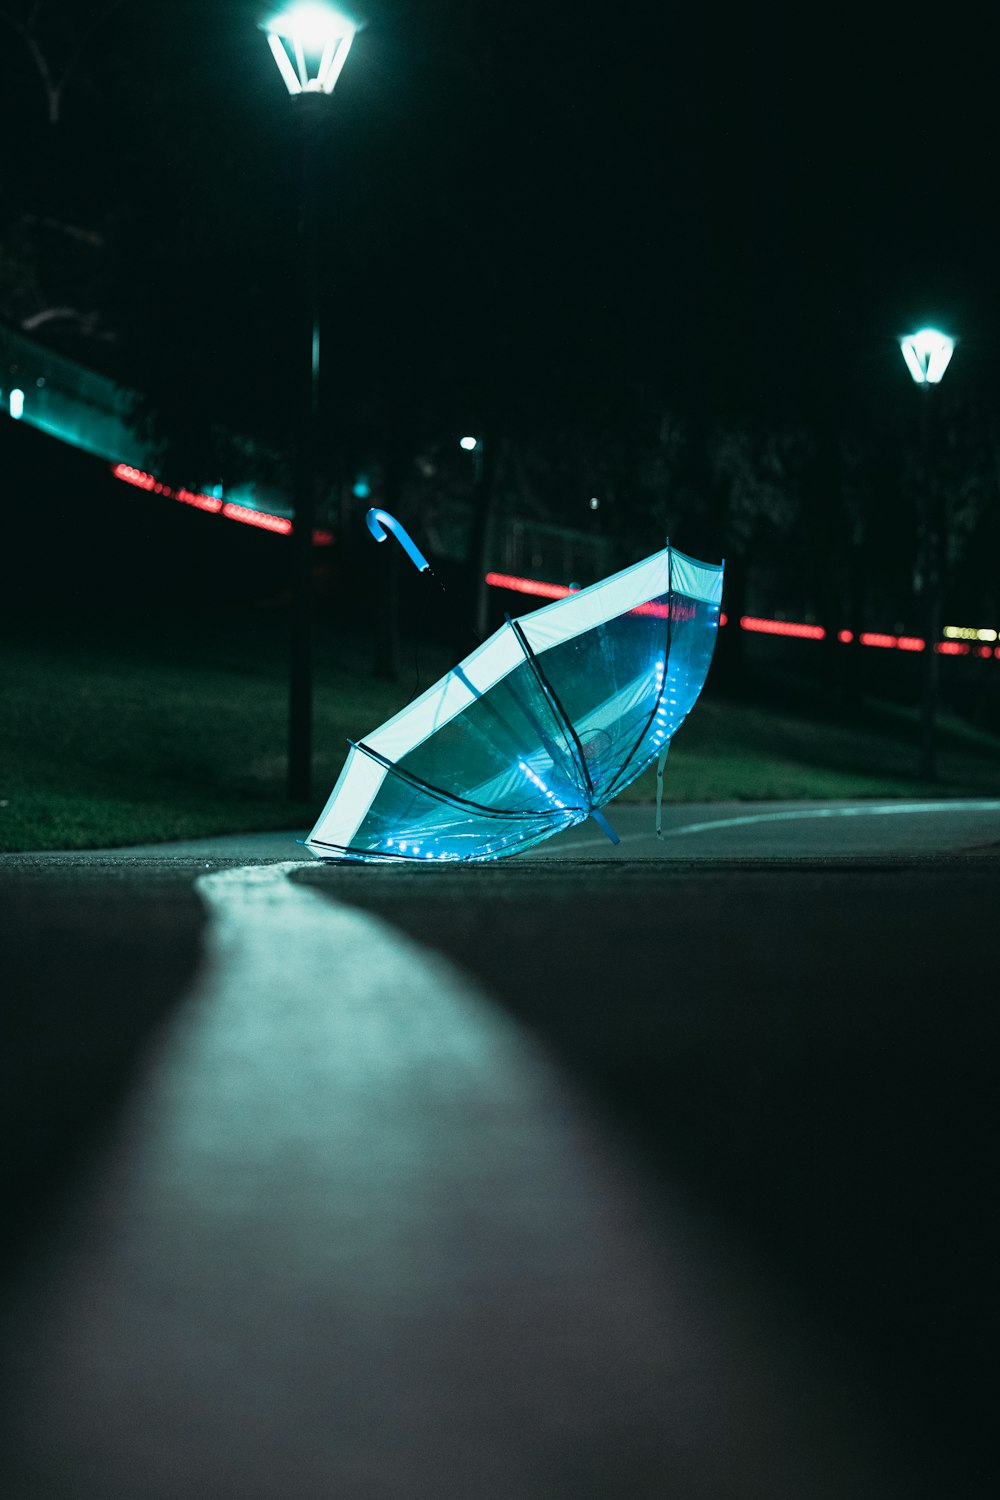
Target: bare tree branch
38, 57
26, 30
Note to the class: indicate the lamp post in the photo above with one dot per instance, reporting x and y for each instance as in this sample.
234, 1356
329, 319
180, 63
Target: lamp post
479, 540
927, 354
474, 446
310, 42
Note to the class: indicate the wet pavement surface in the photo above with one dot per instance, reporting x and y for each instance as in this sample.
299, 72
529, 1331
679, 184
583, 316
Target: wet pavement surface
599, 1173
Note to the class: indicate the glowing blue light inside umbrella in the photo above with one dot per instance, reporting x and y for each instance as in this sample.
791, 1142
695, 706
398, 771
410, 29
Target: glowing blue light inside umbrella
540, 784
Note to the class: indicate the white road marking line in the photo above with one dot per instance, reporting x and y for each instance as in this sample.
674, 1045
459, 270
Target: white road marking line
356, 1228
856, 810
878, 809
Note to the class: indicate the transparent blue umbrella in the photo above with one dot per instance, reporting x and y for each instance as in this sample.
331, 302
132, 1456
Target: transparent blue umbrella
538, 729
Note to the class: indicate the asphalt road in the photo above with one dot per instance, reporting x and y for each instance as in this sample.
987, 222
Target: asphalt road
695, 830
659, 1170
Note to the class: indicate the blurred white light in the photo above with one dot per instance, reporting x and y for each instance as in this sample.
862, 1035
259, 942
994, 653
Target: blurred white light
16, 403
927, 354
968, 633
468, 443
595, 504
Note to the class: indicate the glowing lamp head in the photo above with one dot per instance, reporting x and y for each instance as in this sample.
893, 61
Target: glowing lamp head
16, 403
310, 42
927, 354
470, 444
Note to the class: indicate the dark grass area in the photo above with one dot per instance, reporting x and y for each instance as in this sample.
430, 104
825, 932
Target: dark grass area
133, 727
127, 729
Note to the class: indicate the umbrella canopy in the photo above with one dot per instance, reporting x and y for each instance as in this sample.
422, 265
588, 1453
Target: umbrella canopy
536, 730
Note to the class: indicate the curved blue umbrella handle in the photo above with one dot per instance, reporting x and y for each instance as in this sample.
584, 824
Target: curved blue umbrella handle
377, 519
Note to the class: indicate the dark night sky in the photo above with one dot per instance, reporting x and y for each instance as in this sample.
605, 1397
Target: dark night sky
535, 206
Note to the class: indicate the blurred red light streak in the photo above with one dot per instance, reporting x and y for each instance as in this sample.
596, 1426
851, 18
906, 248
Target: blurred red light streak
245, 514
782, 627
527, 586
543, 590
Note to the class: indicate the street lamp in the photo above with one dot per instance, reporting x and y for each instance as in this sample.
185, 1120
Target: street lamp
927, 354
309, 42
474, 446
479, 538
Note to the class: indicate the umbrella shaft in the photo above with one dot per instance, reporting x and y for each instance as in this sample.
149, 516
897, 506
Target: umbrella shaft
604, 825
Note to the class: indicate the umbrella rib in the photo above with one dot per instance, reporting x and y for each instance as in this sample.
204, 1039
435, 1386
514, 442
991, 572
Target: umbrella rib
452, 799
498, 718
553, 697
551, 748
367, 856
663, 684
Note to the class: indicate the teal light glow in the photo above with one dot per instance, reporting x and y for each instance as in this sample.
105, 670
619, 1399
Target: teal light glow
927, 354
362, 489
310, 42
16, 404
